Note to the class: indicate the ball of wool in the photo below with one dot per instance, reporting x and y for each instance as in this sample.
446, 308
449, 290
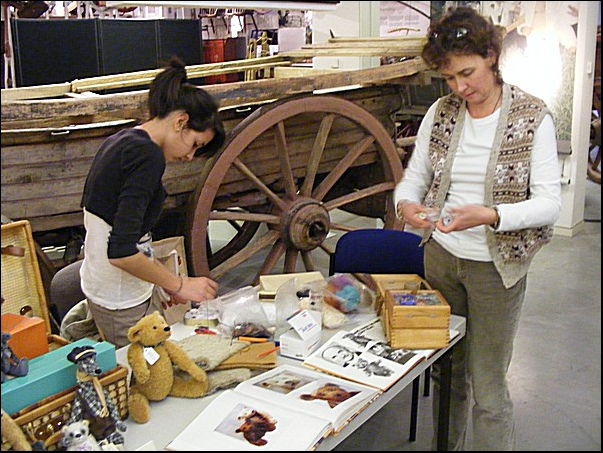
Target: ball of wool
351, 296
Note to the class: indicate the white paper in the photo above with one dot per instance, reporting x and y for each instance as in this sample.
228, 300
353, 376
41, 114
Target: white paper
215, 428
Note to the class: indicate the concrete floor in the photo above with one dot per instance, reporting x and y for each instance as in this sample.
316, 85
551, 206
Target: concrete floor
555, 375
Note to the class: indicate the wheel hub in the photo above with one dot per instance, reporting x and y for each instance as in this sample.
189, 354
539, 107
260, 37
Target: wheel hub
306, 224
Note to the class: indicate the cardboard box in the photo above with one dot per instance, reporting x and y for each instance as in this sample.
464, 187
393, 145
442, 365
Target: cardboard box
50, 374
28, 335
293, 345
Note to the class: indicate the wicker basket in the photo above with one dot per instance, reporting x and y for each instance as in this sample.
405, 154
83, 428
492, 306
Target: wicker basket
44, 420
22, 285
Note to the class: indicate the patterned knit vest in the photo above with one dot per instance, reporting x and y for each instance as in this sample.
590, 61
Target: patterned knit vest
507, 175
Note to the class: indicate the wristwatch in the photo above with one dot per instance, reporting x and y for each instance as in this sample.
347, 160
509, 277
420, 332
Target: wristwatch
497, 223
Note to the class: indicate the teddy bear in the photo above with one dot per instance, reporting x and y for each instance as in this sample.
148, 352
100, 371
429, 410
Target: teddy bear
13, 434
77, 437
152, 357
11, 364
92, 401
331, 393
255, 426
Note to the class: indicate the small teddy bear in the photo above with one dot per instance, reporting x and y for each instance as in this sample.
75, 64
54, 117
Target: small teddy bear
92, 401
77, 437
11, 364
152, 357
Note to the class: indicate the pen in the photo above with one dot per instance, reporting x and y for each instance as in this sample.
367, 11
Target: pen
253, 340
269, 351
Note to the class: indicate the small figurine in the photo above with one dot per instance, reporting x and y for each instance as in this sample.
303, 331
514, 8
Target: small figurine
92, 401
11, 364
77, 437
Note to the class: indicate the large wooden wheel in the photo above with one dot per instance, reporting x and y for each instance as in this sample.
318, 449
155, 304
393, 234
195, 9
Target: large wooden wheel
280, 175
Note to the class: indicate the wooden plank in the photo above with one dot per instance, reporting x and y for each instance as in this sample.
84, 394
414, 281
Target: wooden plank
133, 104
410, 41
334, 51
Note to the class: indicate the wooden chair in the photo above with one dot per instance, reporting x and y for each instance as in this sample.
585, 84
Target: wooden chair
381, 251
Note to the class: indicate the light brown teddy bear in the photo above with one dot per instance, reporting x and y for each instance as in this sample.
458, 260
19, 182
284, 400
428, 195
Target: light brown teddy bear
13, 434
152, 358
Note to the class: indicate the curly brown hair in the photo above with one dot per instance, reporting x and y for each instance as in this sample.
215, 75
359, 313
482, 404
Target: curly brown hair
463, 31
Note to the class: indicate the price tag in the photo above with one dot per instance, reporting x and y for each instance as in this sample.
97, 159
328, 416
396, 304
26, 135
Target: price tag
150, 355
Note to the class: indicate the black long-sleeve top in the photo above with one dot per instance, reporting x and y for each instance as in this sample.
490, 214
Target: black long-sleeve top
124, 188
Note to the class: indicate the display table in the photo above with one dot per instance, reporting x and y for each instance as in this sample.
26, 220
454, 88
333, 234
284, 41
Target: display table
172, 415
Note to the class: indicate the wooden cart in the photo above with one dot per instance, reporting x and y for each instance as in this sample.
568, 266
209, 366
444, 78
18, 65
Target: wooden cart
300, 145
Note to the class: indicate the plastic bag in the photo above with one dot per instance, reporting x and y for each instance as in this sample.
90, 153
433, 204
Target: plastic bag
241, 314
290, 297
349, 295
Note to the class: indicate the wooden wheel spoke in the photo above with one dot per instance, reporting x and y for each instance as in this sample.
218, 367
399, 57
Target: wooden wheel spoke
335, 175
244, 169
283, 154
341, 227
328, 250
308, 262
316, 154
234, 216
359, 194
290, 260
277, 250
245, 253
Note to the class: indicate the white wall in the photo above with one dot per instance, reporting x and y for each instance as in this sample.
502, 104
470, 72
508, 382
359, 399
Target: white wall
348, 20
573, 194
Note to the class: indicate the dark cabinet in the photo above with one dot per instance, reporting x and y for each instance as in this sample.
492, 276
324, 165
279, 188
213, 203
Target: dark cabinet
54, 51
57, 51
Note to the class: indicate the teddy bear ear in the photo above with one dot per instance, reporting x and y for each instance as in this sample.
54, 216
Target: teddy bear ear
133, 332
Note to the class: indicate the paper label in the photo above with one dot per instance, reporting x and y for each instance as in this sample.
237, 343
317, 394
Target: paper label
150, 355
304, 324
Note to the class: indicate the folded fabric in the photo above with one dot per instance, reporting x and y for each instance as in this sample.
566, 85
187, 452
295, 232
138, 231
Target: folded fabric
208, 351
253, 356
224, 379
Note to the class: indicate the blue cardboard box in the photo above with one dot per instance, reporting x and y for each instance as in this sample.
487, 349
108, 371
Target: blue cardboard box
51, 373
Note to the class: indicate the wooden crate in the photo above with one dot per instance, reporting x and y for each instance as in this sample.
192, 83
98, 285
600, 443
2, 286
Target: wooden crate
386, 282
414, 314
22, 285
407, 338
406, 326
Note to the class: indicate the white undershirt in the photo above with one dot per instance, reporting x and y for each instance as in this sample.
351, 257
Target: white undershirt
467, 186
102, 282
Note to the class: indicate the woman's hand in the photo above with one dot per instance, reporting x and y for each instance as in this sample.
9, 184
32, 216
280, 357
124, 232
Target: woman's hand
416, 215
196, 289
465, 217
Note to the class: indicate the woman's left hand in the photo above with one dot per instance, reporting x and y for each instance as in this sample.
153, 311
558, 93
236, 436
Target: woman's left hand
465, 217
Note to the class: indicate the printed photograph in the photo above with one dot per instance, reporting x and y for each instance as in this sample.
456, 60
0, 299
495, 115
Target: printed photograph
249, 424
284, 382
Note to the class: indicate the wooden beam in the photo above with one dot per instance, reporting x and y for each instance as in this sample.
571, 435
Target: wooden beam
127, 105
